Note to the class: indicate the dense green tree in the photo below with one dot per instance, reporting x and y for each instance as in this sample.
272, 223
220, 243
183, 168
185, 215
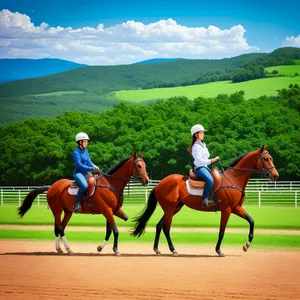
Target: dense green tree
38, 151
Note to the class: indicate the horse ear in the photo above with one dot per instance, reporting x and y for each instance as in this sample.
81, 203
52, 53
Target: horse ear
142, 155
267, 147
262, 149
134, 155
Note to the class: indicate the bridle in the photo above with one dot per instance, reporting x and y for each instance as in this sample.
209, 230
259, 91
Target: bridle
264, 171
139, 174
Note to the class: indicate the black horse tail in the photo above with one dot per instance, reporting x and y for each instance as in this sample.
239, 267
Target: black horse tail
142, 219
29, 199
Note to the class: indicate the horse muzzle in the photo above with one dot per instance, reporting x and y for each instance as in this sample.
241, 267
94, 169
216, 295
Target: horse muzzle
273, 176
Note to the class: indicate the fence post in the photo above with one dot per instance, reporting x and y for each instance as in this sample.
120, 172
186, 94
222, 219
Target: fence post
1, 197
38, 200
19, 197
146, 194
296, 194
259, 198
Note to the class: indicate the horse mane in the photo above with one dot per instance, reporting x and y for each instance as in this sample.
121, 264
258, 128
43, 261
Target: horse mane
116, 167
234, 162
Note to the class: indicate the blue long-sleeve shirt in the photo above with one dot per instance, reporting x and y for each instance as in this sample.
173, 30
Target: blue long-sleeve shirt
82, 161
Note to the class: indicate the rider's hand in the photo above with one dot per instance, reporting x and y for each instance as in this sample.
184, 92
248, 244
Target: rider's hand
215, 159
96, 168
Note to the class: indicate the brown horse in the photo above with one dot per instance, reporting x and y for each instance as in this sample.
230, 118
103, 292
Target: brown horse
229, 187
106, 198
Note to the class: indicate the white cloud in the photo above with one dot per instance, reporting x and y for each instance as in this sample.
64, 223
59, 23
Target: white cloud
124, 43
292, 41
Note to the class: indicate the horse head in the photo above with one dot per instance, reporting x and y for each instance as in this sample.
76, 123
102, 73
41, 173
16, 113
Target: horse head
265, 164
139, 169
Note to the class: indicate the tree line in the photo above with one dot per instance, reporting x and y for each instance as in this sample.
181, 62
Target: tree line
38, 151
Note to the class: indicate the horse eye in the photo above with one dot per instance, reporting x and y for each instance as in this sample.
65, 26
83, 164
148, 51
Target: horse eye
139, 166
266, 158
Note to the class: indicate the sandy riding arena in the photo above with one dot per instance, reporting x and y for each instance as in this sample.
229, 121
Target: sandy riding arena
29, 270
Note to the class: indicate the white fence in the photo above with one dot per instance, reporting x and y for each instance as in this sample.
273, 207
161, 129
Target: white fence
259, 192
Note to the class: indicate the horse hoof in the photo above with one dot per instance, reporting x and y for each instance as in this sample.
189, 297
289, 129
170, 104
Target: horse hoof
175, 253
220, 253
117, 253
245, 248
70, 252
99, 248
60, 251
157, 252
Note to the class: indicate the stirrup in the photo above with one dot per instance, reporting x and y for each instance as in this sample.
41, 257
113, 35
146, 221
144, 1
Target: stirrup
208, 203
76, 209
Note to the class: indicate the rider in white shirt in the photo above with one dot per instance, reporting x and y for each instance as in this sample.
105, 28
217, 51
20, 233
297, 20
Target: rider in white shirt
201, 155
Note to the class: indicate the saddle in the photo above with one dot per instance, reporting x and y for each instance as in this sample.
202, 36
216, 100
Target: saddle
73, 187
195, 185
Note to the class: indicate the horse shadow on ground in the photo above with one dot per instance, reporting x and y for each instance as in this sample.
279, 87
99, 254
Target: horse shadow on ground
82, 254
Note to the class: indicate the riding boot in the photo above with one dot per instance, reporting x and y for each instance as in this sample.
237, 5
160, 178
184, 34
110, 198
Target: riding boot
77, 206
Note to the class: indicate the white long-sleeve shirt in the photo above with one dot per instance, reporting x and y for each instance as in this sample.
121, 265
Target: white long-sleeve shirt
200, 154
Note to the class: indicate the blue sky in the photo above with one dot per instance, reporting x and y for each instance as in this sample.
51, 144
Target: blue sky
120, 32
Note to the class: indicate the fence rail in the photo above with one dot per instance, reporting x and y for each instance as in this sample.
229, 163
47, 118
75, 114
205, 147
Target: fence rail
259, 192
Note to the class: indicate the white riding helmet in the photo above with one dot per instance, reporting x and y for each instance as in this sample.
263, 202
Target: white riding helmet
81, 136
197, 128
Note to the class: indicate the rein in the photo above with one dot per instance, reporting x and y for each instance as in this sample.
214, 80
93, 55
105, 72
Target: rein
264, 171
111, 187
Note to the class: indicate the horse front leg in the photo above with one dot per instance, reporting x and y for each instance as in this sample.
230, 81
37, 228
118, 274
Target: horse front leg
225, 214
239, 211
107, 236
108, 214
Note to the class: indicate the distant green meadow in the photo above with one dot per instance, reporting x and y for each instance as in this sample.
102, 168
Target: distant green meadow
285, 70
58, 94
252, 89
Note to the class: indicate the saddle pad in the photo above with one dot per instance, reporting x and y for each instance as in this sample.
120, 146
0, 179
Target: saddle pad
193, 191
73, 191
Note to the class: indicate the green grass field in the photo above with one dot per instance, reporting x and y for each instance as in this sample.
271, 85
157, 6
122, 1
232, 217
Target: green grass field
291, 242
253, 89
265, 218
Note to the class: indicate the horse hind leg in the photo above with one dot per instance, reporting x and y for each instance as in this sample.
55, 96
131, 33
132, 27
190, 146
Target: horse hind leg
165, 224
59, 229
159, 227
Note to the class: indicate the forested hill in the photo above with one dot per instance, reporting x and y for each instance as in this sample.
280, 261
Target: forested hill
16, 69
38, 151
103, 79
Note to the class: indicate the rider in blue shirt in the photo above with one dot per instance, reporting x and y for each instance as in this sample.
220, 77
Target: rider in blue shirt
83, 164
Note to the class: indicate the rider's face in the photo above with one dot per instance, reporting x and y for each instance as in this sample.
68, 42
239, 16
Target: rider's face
200, 135
85, 143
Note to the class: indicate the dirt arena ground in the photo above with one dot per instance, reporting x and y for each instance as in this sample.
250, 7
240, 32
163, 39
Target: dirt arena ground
29, 270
